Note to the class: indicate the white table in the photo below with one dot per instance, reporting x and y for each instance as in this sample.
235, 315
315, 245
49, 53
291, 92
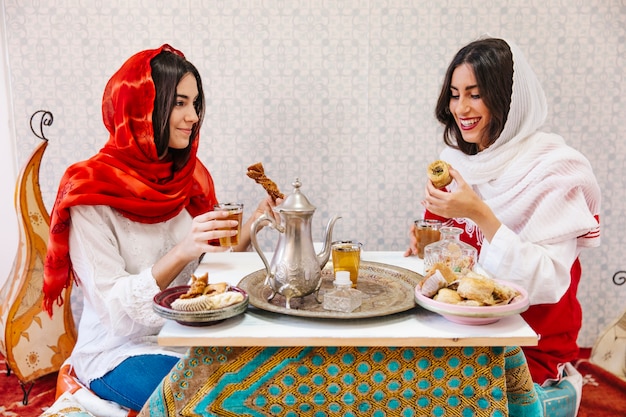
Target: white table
416, 327
264, 362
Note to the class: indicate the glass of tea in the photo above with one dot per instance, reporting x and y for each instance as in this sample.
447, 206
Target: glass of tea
235, 212
426, 232
347, 257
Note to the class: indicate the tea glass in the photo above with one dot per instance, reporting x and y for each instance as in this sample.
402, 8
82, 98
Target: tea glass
235, 212
426, 232
347, 257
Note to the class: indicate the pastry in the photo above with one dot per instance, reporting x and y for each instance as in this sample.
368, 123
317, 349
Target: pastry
432, 283
478, 289
438, 173
503, 294
200, 303
197, 287
446, 295
204, 296
257, 173
225, 299
445, 270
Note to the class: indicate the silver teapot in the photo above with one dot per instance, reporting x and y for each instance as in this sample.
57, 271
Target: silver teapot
295, 270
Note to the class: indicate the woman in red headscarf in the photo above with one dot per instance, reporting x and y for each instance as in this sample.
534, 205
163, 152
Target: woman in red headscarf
133, 220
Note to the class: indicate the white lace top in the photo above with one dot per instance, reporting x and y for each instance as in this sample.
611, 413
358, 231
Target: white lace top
112, 258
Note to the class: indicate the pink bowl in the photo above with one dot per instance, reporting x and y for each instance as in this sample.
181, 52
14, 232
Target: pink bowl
475, 315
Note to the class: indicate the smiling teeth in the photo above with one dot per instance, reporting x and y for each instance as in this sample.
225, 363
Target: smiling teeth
470, 122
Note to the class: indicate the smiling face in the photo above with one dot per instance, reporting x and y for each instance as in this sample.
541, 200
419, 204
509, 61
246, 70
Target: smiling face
184, 115
466, 105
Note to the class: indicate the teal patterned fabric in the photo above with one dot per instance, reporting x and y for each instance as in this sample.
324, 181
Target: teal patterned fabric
558, 400
335, 381
521, 391
351, 381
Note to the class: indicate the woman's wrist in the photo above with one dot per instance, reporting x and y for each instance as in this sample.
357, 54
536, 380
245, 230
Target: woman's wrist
487, 222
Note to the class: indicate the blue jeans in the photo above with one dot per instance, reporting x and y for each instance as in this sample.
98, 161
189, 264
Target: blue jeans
132, 382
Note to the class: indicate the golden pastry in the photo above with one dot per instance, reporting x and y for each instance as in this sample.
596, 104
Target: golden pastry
257, 173
204, 296
218, 288
432, 283
225, 299
438, 173
197, 287
199, 303
478, 289
504, 294
445, 270
446, 295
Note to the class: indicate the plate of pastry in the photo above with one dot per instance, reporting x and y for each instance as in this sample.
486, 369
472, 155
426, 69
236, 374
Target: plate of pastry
201, 303
471, 298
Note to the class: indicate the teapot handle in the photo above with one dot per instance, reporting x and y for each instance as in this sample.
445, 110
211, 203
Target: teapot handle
265, 218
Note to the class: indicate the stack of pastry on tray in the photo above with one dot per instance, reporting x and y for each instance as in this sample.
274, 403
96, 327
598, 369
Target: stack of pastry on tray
442, 284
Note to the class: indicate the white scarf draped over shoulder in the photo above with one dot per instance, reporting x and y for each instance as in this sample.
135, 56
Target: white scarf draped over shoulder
540, 188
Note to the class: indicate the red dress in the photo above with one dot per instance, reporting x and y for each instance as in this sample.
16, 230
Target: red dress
556, 324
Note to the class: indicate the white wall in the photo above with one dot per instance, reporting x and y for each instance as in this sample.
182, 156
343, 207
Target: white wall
8, 174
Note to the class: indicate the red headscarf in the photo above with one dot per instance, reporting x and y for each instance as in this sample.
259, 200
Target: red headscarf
126, 174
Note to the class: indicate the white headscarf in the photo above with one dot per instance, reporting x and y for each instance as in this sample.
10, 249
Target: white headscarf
539, 187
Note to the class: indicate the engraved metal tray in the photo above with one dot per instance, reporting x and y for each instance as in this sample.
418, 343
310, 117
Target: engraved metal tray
387, 289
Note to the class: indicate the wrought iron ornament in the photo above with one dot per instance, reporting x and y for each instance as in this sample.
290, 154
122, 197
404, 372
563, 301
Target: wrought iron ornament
45, 119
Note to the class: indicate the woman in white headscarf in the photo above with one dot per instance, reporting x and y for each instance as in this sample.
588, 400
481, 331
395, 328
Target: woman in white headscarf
525, 199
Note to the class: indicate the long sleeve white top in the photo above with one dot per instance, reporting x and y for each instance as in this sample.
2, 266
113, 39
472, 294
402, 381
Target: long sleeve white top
112, 258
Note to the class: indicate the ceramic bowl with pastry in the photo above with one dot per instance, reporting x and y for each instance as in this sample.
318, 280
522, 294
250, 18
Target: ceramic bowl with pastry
473, 298
201, 303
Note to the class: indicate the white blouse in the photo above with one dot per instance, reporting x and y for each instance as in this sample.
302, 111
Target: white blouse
112, 258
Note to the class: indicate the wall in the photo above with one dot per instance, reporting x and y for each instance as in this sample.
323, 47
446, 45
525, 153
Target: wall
8, 174
337, 93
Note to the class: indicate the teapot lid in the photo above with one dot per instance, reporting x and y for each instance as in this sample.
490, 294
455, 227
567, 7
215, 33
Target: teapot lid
296, 201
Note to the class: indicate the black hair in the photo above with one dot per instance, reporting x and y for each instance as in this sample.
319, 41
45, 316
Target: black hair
492, 62
168, 69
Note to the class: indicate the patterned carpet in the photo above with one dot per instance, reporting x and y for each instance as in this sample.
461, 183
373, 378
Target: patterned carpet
604, 395
41, 395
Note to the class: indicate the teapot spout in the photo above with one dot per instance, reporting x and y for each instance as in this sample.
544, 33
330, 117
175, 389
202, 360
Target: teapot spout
324, 255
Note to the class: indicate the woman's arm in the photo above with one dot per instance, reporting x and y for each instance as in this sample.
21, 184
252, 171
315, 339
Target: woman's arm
543, 269
204, 228
123, 264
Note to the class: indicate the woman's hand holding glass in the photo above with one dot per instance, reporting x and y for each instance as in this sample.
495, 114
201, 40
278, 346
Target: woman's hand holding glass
206, 229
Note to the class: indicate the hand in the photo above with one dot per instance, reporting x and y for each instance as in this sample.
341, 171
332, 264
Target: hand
207, 227
412, 250
267, 205
461, 202
204, 228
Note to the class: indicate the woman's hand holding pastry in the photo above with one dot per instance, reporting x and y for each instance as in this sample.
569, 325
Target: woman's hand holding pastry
267, 205
461, 202
449, 204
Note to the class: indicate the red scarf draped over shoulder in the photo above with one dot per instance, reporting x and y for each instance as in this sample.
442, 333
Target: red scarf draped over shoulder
126, 174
